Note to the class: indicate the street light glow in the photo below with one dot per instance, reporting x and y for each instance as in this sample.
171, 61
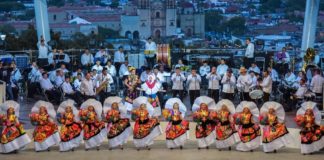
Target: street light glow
3, 37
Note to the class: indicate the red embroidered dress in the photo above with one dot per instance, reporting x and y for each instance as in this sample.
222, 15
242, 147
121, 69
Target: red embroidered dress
310, 132
272, 129
205, 125
143, 124
248, 130
70, 129
44, 127
225, 124
176, 126
12, 129
91, 124
116, 124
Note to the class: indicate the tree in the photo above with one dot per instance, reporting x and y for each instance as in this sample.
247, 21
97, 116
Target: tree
57, 3
213, 21
235, 25
268, 6
9, 5
7, 28
114, 4
28, 38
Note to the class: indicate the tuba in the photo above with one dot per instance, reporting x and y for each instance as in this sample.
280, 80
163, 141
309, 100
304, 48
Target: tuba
308, 58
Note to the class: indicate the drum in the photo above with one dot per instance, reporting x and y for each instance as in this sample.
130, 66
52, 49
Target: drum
163, 54
256, 94
202, 58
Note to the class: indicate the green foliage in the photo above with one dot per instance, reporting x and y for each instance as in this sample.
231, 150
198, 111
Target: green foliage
7, 28
235, 25
93, 2
114, 4
57, 3
8, 5
269, 6
28, 39
214, 20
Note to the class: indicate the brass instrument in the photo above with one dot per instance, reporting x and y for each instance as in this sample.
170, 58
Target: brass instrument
308, 58
103, 86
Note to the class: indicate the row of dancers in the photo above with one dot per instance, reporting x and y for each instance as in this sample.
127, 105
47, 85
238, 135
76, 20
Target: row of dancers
220, 123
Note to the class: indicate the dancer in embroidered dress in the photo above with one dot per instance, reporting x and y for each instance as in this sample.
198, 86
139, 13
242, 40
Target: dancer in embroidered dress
71, 130
131, 83
146, 127
312, 133
247, 118
205, 129
226, 134
177, 130
119, 128
13, 135
275, 133
94, 130
46, 131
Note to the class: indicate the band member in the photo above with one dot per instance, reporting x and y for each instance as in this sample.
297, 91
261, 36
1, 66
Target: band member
62, 58
151, 87
275, 133
193, 82
203, 71
94, 130
71, 130
244, 82
312, 133
247, 118
87, 60
205, 128
317, 83
229, 82
131, 82
119, 128
249, 53
178, 78
266, 85
177, 130
103, 88
97, 67
77, 82
150, 52
213, 84
255, 68
52, 93
282, 60
87, 87
290, 79
146, 127
69, 92
145, 74
222, 68
46, 131
15, 78
13, 136
102, 56
254, 79
119, 57
226, 134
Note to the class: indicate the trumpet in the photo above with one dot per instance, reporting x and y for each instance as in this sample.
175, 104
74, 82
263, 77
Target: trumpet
103, 86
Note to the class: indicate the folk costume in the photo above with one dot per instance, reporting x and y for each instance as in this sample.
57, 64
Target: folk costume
151, 88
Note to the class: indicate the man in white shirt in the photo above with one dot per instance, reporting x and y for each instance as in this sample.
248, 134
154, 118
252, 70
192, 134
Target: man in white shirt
104, 79
52, 93
59, 78
193, 83
254, 68
282, 60
123, 71
69, 92
87, 87
97, 67
213, 84
228, 82
317, 83
87, 59
249, 53
177, 78
290, 78
119, 57
111, 69
145, 74
244, 82
51, 57
266, 86
77, 82
203, 71
62, 58
299, 95
254, 79
15, 78
102, 56
150, 52
43, 49
221, 68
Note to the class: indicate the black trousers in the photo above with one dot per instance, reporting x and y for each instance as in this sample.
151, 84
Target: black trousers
77, 97
229, 96
86, 97
42, 62
150, 61
193, 94
103, 95
33, 88
247, 62
53, 95
15, 92
214, 94
244, 96
176, 92
266, 97
117, 65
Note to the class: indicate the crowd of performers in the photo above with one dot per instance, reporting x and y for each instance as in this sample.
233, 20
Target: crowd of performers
221, 124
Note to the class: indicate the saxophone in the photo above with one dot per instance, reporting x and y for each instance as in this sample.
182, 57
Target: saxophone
103, 86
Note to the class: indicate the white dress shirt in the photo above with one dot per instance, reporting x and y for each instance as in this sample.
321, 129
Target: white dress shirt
150, 47
103, 55
144, 76
67, 88
77, 84
42, 51
249, 53
300, 93
244, 82
274, 75
266, 85
50, 58
177, 81
46, 84
87, 59
111, 70
123, 70
59, 81
221, 69
87, 87
254, 81
213, 81
160, 77
65, 60
15, 77
255, 69
101, 78
99, 68
193, 82
119, 57
290, 79
204, 70
228, 84
317, 84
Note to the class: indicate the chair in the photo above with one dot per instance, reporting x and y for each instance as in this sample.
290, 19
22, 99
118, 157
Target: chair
260, 60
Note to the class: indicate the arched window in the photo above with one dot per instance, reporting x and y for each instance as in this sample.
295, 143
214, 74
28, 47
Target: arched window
157, 14
54, 17
171, 24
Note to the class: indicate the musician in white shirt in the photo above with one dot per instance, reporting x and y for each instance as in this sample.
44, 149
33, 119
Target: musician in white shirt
290, 78
104, 79
203, 71
299, 95
102, 56
274, 74
59, 79
244, 82
77, 82
177, 78
119, 57
317, 83
52, 93
213, 84
150, 52
69, 92
111, 69
87, 87
87, 59
66, 59
193, 83
97, 67
254, 79
51, 57
123, 70
249, 53
255, 68
144, 75
266, 85
228, 82
43, 49
222, 68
